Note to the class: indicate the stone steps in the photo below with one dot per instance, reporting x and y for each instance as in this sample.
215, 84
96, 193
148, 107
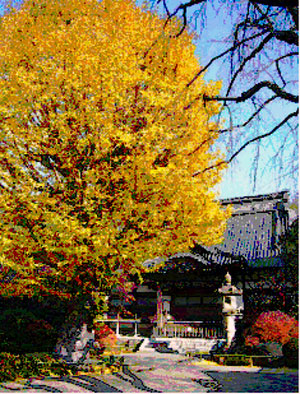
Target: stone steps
180, 345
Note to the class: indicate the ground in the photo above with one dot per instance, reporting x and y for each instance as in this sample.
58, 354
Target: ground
156, 372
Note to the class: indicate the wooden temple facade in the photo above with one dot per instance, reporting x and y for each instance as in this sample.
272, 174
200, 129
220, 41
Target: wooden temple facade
183, 298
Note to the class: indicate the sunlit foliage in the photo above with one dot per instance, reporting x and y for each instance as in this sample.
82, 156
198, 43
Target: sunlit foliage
98, 148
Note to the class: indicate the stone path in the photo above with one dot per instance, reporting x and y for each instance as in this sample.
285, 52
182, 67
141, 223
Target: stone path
158, 372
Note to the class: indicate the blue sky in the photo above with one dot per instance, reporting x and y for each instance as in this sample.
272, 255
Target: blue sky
237, 180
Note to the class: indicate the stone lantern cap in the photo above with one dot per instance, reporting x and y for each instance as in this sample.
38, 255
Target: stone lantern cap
228, 288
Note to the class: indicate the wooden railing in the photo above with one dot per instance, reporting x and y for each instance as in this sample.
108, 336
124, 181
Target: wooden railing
190, 329
171, 329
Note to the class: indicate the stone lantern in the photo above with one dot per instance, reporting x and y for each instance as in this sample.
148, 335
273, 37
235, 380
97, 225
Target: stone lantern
231, 296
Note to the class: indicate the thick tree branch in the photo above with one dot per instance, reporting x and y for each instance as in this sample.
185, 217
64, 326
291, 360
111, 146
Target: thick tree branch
253, 90
294, 11
276, 3
288, 36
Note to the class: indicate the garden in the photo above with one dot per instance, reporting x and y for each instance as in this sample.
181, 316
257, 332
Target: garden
29, 336
271, 341
28, 345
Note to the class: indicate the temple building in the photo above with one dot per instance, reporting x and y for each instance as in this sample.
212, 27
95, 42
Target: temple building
195, 292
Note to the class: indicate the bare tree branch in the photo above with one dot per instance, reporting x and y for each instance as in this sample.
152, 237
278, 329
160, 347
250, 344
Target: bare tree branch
246, 60
288, 36
232, 48
166, 8
264, 34
284, 121
239, 126
276, 3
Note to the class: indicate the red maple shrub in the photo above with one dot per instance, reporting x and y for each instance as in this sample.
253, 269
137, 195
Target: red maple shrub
274, 326
251, 341
105, 337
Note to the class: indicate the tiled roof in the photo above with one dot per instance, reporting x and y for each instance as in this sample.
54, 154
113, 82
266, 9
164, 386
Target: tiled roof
254, 229
201, 257
251, 236
278, 196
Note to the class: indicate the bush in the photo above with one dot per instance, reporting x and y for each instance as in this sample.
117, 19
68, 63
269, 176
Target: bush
232, 359
13, 323
290, 351
105, 338
8, 367
42, 335
14, 366
273, 326
21, 332
291, 347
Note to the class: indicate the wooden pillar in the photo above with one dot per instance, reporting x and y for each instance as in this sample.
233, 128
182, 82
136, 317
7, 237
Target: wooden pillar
159, 312
118, 325
135, 328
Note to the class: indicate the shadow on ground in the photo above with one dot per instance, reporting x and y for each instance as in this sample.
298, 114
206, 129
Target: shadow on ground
244, 382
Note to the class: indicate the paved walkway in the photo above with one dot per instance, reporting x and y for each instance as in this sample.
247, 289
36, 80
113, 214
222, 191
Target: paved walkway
158, 372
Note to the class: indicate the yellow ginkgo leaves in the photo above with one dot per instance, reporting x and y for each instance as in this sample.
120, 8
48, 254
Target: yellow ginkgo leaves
99, 141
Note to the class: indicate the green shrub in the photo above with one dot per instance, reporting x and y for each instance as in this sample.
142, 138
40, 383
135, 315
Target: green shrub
233, 359
13, 323
42, 335
21, 332
291, 348
290, 351
14, 366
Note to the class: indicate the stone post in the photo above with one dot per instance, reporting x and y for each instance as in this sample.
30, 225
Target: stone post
230, 309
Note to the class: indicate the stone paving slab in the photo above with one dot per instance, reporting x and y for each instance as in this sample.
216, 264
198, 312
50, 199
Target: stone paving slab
225, 368
72, 384
167, 373
178, 373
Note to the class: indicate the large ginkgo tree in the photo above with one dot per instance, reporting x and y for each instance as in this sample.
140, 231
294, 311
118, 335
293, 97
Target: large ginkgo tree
102, 146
